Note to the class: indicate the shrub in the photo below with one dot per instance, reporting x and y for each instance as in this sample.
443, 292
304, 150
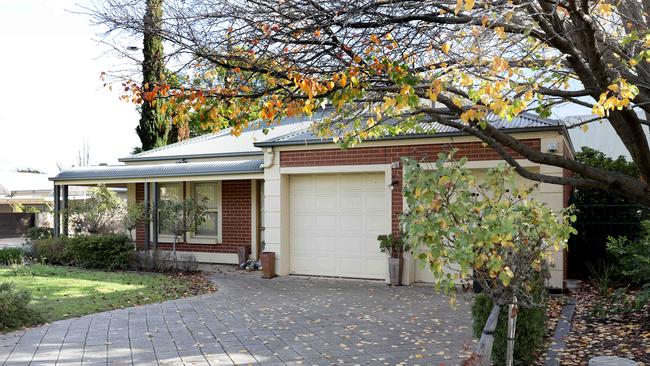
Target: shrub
11, 256
632, 257
52, 251
109, 251
529, 335
14, 310
38, 233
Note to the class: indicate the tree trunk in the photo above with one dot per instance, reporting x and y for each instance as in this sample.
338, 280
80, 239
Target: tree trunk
512, 327
484, 347
174, 253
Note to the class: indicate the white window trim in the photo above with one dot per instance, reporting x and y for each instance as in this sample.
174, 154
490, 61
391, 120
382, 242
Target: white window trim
198, 239
208, 239
166, 238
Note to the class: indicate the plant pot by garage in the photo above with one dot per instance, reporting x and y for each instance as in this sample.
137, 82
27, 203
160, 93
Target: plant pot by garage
268, 264
395, 266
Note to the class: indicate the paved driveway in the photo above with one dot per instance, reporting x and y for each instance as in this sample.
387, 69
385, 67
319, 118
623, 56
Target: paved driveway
284, 321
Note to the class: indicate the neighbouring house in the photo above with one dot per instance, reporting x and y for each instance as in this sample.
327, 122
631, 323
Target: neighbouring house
318, 207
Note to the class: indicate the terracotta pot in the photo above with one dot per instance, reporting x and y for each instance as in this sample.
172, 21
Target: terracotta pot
268, 264
395, 266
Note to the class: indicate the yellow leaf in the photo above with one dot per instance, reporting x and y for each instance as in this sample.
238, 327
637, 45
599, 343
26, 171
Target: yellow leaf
584, 128
469, 5
445, 48
459, 5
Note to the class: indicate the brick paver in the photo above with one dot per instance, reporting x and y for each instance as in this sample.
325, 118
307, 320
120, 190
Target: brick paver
284, 321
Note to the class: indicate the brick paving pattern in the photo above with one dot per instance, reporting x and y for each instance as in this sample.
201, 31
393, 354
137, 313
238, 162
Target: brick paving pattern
284, 321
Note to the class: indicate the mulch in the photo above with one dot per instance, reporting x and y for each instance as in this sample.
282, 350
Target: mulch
602, 326
197, 284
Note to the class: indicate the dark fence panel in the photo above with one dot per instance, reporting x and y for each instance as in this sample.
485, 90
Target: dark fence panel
15, 224
595, 223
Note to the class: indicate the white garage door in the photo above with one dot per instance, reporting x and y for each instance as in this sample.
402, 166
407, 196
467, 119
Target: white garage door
335, 220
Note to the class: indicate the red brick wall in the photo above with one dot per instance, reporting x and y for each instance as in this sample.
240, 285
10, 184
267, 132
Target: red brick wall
390, 154
236, 220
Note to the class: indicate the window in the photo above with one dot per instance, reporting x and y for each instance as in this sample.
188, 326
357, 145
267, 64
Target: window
208, 194
169, 192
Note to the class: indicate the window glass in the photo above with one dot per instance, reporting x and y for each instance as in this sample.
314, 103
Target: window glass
207, 194
169, 192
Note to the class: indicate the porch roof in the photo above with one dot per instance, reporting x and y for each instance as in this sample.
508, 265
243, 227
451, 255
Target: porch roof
180, 169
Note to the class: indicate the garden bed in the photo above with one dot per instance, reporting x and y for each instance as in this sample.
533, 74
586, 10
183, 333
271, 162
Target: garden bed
60, 292
602, 326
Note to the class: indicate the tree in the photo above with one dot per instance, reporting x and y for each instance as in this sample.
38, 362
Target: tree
83, 154
490, 231
450, 62
154, 129
133, 215
96, 214
179, 217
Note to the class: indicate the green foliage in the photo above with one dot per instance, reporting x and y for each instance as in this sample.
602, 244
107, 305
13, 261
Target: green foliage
392, 245
529, 337
110, 251
38, 233
489, 229
598, 159
52, 251
602, 274
180, 216
11, 256
632, 257
98, 214
14, 309
134, 214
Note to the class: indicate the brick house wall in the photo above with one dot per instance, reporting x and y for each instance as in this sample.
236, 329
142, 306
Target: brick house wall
474, 151
236, 220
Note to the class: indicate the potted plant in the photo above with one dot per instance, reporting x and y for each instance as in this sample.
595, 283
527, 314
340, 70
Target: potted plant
395, 247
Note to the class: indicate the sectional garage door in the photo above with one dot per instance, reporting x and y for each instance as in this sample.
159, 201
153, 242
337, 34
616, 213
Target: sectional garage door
335, 220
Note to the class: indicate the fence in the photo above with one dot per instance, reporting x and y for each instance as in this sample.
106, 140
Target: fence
595, 223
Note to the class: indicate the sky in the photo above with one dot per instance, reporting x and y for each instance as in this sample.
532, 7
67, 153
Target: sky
52, 98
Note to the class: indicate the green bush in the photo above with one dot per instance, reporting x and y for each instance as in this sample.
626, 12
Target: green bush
109, 251
632, 257
14, 309
11, 256
529, 335
51, 251
38, 233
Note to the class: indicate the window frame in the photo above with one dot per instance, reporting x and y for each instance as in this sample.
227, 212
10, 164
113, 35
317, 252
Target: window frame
192, 237
164, 237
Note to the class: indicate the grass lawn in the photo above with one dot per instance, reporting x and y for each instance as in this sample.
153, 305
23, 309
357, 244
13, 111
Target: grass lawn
61, 292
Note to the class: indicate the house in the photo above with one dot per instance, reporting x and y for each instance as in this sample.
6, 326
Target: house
318, 207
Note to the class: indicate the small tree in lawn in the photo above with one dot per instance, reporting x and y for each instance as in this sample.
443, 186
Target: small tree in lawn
490, 231
134, 213
179, 217
97, 214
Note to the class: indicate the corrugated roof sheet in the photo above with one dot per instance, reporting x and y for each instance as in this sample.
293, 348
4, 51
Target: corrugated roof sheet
426, 129
161, 170
223, 143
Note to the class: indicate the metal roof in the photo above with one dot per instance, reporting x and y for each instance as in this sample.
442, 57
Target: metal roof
160, 170
223, 143
520, 123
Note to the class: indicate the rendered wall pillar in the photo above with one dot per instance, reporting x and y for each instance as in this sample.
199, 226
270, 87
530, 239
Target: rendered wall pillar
275, 235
